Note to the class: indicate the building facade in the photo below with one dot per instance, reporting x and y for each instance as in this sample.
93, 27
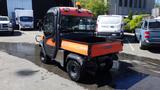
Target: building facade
3, 7
123, 7
39, 7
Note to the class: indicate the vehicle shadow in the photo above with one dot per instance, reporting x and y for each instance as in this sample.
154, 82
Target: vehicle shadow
154, 50
8, 34
125, 78
26, 72
129, 39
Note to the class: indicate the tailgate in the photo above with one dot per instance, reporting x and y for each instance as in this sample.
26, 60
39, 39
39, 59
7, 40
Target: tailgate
155, 36
106, 48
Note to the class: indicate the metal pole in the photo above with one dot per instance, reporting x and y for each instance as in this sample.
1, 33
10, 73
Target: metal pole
74, 3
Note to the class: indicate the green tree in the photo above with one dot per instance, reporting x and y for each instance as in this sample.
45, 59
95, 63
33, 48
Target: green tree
132, 24
98, 7
130, 15
157, 5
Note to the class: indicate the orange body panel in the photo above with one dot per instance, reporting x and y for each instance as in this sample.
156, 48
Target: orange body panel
83, 49
75, 47
50, 42
73, 11
106, 48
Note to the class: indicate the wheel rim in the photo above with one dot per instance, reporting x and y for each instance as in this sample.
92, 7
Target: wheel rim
73, 70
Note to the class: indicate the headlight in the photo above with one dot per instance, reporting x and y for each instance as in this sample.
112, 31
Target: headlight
10, 24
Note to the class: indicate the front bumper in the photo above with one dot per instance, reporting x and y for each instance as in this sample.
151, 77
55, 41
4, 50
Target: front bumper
150, 43
111, 34
6, 29
26, 26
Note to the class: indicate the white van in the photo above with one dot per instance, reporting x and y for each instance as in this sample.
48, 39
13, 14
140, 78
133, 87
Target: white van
110, 25
24, 19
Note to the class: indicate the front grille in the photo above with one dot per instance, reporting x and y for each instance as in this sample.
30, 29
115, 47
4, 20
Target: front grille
5, 25
0, 26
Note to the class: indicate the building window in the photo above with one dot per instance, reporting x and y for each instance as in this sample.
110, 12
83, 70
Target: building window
125, 3
120, 3
144, 4
130, 3
135, 3
140, 3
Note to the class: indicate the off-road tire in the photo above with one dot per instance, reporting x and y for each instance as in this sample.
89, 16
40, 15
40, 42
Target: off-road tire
75, 70
44, 58
109, 64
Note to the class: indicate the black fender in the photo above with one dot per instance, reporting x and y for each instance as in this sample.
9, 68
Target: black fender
75, 57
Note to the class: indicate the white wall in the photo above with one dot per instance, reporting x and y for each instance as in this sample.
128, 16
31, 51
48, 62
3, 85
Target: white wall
12, 4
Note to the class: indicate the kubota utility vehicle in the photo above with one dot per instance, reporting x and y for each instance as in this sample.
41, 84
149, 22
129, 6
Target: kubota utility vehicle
69, 38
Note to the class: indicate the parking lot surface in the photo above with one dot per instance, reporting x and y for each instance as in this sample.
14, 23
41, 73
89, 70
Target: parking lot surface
21, 68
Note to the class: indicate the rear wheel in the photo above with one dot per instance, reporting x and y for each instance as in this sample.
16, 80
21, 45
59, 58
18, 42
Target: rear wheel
109, 64
44, 58
143, 47
75, 70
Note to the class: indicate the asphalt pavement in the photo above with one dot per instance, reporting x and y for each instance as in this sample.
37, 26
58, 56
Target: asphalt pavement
21, 69
131, 46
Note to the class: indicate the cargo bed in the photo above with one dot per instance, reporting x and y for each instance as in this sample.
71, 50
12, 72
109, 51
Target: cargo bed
92, 46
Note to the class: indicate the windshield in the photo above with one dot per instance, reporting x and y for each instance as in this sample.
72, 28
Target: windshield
26, 19
78, 23
154, 24
110, 20
3, 19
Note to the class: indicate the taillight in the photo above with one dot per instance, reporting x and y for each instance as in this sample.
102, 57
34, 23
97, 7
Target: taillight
146, 34
96, 27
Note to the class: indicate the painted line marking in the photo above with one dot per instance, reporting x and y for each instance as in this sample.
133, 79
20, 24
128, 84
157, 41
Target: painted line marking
130, 45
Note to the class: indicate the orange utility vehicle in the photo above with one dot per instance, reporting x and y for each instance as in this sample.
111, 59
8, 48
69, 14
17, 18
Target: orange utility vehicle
69, 38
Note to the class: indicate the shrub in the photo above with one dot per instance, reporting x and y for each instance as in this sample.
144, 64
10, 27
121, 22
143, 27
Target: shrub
132, 24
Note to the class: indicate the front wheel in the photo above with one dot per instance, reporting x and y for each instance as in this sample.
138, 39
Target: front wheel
44, 58
109, 64
75, 70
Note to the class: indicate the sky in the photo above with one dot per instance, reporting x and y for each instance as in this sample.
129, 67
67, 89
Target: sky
158, 1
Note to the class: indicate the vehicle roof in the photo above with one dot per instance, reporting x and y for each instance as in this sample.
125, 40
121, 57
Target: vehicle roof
73, 11
110, 16
152, 20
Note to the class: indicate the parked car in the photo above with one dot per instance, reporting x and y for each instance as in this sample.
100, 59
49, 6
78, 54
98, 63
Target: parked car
148, 33
110, 25
5, 24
